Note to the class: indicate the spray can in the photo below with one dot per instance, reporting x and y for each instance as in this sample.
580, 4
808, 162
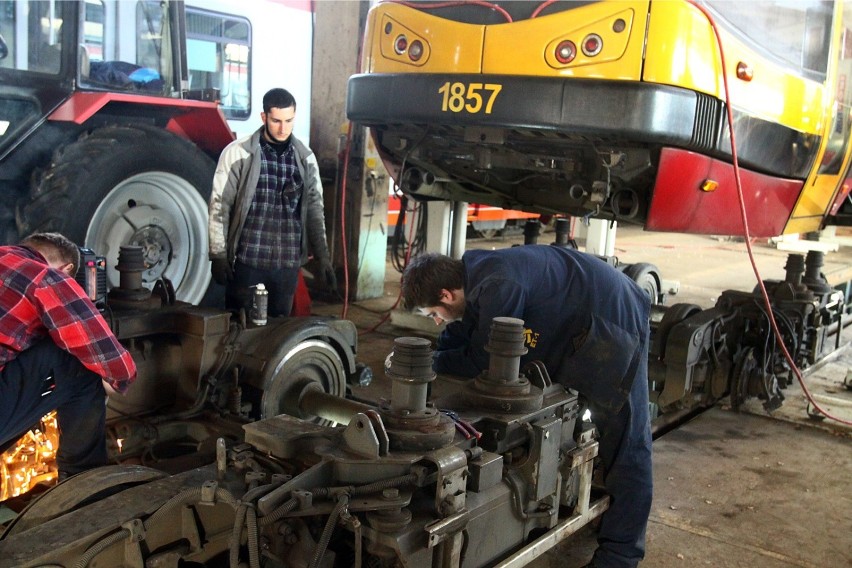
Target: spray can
260, 304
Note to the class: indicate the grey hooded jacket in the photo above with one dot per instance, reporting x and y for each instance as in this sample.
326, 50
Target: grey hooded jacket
234, 184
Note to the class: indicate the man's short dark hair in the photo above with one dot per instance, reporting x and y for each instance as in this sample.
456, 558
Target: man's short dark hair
55, 248
426, 275
278, 98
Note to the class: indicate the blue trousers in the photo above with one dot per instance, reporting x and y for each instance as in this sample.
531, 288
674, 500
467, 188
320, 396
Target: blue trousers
45, 378
281, 285
625, 452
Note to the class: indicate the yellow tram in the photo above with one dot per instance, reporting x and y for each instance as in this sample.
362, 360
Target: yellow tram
617, 109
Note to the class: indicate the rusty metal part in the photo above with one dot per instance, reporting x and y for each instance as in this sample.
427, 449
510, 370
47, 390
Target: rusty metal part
76, 490
313, 401
130, 291
411, 423
502, 388
410, 371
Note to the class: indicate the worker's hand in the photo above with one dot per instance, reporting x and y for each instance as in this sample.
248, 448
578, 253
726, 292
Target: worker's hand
329, 278
108, 389
222, 271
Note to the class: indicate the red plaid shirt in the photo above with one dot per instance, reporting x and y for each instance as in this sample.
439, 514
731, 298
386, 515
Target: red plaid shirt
37, 301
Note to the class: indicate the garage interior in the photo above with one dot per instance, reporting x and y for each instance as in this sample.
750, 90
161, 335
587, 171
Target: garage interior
733, 487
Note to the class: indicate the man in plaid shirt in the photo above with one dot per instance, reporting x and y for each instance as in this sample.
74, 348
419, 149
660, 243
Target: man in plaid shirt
266, 211
56, 352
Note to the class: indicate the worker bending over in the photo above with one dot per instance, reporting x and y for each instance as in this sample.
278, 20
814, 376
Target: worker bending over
589, 324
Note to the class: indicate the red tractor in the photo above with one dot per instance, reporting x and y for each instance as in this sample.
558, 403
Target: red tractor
101, 138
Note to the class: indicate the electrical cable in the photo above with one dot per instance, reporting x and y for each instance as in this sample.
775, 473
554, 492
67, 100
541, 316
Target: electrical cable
746, 233
343, 239
399, 296
423, 6
421, 233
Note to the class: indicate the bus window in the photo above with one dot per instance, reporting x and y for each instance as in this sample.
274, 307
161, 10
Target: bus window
218, 51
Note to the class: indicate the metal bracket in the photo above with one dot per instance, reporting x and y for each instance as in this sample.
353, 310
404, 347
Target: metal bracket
208, 493
366, 435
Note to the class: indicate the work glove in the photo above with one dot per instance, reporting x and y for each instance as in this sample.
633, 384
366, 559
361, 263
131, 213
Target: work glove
329, 278
222, 271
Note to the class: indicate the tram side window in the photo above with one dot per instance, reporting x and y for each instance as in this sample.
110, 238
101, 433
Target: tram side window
797, 34
841, 128
218, 48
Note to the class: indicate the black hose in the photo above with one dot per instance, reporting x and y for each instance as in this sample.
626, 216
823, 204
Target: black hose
328, 530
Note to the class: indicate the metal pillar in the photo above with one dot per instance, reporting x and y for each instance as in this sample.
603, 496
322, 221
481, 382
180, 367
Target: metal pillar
438, 226
600, 237
458, 238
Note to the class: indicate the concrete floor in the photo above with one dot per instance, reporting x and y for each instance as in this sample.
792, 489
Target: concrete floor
732, 489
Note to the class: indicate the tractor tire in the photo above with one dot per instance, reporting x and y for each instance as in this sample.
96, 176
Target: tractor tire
130, 185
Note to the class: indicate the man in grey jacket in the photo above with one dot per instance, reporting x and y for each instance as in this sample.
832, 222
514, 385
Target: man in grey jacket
266, 211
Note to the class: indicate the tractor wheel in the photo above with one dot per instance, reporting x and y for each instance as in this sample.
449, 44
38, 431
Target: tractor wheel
130, 185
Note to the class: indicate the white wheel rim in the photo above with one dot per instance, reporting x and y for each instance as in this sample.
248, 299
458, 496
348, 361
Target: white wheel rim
164, 214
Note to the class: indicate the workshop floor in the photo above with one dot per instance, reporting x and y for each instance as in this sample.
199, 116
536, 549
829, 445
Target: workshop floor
731, 489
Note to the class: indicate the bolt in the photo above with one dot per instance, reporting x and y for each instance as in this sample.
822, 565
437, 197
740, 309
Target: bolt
390, 494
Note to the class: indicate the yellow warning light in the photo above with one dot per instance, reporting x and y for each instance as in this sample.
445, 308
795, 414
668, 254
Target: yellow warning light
709, 185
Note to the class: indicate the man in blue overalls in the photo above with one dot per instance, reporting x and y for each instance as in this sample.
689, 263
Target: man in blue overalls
589, 324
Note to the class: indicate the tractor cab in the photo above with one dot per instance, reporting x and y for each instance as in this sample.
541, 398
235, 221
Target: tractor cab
50, 48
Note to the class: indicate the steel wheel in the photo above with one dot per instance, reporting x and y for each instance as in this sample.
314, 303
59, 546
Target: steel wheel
311, 362
77, 491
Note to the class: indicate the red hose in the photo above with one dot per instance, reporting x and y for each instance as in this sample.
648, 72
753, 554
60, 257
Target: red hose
778, 338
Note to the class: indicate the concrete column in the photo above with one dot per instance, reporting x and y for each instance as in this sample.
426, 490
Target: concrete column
356, 222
